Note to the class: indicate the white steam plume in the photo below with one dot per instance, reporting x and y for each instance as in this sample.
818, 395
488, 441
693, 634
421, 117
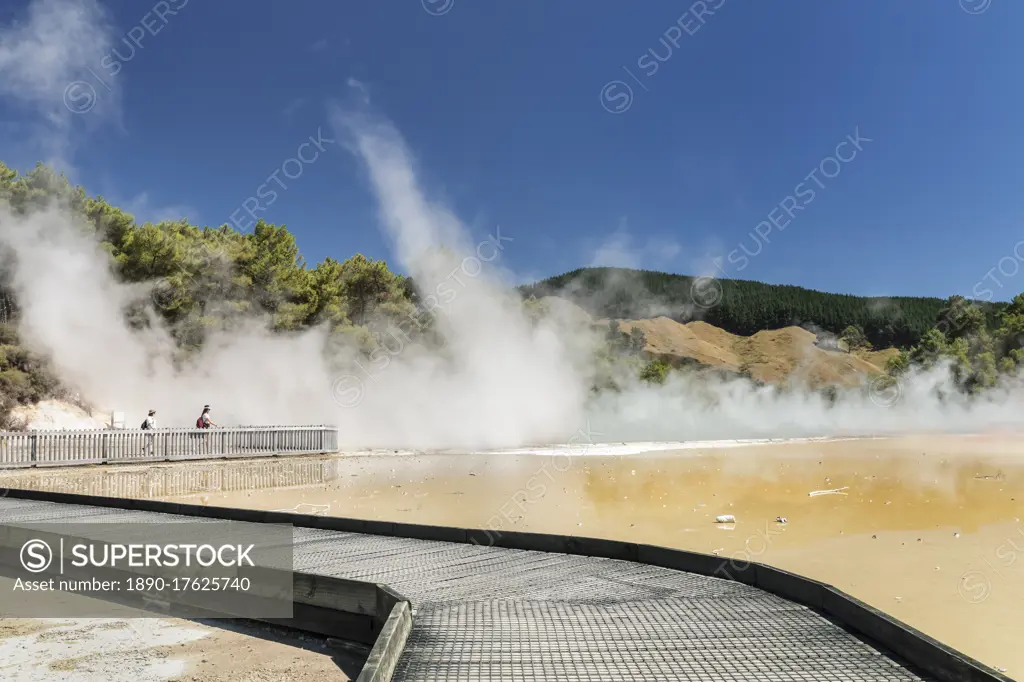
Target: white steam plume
691, 408
499, 381
509, 385
73, 310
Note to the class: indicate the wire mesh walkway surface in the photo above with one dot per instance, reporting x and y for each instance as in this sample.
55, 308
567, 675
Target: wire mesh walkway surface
487, 613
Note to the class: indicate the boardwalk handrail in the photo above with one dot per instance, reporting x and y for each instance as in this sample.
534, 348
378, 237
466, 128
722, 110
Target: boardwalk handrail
100, 446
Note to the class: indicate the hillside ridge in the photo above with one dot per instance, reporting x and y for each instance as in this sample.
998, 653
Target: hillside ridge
745, 307
769, 356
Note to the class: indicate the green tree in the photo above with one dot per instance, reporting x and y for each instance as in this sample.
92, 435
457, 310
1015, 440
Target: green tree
1010, 334
370, 289
535, 309
326, 301
271, 267
984, 372
931, 348
960, 318
898, 364
854, 337
655, 372
637, 340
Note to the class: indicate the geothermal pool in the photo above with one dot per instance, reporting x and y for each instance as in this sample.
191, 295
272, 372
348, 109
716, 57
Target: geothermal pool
926, 528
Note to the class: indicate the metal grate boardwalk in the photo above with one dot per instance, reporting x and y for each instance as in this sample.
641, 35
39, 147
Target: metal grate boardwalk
487, 613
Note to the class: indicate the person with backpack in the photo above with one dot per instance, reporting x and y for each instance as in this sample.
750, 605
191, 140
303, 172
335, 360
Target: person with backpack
204, 422
148, 425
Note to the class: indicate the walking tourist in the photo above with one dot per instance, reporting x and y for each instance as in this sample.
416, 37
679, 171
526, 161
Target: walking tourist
148, 446
205, 422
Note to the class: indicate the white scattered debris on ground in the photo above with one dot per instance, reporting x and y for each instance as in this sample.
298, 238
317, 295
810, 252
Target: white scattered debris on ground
57, 414
130, 648
95, 649
834, 491
169, 650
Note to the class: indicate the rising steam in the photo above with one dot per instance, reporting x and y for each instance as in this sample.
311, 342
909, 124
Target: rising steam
501, 380
73, 309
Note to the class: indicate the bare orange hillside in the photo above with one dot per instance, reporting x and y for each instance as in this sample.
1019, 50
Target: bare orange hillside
790, 352
878, 358
670, 340
772, 356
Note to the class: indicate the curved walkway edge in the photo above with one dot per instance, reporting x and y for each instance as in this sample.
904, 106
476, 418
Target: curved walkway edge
395, 620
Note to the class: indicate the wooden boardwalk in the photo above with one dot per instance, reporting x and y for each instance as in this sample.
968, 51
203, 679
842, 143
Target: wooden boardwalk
489, 613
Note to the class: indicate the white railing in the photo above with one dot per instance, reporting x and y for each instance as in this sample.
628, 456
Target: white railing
98, 446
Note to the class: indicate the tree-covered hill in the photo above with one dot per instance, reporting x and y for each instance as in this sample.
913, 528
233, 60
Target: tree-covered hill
744, 307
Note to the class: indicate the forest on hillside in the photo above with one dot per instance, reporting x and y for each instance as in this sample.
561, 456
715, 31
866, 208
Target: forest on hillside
745, 307
199, 279
979, 340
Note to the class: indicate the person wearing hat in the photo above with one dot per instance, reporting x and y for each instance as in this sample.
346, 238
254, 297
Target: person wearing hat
149, 424
204, 421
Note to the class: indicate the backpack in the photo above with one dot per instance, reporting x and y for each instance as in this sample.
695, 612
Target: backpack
145, 424
200, 424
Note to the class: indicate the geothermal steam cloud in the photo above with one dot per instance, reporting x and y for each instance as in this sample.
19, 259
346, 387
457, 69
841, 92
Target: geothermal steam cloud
500, 381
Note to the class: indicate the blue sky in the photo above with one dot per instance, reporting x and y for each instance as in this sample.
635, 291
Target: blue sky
505, 106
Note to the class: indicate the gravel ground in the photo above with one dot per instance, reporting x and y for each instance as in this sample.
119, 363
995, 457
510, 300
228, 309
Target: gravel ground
166, 650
